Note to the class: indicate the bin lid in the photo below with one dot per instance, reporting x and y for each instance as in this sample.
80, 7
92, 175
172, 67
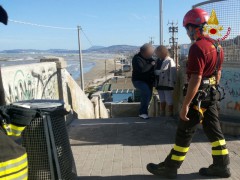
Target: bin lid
39, 104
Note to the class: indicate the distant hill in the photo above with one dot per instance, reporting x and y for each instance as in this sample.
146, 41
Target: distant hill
113, 49
94, 49
29, 51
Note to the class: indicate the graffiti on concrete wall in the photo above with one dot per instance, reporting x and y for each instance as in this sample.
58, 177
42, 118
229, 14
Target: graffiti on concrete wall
33, 83
232, 105
231, 83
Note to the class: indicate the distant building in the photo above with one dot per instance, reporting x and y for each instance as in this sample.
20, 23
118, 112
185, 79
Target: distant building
126, 68
184, 49
231, 49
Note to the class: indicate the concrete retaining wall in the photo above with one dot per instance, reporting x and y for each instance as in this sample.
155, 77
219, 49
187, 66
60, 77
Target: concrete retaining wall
100, 110
26, 82
123, 109
48, 80
76, 98
230, 106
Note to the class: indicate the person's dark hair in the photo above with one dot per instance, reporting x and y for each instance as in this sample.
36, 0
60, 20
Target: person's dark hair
163, 49
145, 47
200, 27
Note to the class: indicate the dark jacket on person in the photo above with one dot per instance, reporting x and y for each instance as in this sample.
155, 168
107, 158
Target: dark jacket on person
143, 70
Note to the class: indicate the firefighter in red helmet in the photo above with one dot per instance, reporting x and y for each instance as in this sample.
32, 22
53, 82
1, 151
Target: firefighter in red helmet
200, 105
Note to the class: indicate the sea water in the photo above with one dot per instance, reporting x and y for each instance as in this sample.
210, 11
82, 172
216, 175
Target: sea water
73, 65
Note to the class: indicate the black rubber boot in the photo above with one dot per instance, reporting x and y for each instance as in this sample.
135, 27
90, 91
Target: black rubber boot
161, 170
218, 171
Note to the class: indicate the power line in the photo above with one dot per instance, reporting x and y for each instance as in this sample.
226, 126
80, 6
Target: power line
40, 25
52, 27
90, 42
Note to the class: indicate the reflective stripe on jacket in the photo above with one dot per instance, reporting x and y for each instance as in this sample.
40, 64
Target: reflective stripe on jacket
14, 168
13, 159
13, 130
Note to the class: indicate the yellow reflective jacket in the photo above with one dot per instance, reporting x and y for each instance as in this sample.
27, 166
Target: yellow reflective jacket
13, 159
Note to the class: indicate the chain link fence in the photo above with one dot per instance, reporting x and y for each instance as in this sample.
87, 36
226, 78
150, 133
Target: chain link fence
227, 31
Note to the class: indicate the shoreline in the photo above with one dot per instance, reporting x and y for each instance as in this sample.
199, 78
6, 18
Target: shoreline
96, 76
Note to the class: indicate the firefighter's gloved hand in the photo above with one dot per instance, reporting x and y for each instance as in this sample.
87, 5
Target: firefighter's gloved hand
4, 116
183, 113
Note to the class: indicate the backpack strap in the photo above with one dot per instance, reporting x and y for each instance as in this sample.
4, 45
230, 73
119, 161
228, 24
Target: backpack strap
210, 81
217, 46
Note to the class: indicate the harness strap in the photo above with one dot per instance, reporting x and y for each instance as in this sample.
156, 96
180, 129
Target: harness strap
201, 111
218, 57
217, 46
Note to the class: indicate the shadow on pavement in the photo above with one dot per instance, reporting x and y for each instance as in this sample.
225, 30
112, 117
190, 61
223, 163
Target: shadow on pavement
130, 177
191, 176
128, 132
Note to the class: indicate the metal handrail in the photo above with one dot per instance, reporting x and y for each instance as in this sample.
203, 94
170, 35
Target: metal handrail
206, 2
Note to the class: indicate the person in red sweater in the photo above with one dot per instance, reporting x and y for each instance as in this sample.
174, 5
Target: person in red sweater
200, 104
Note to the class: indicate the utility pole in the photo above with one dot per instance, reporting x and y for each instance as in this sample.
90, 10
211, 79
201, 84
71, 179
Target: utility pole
105, 70
115, 65
80, 58
173, 40
151, 40
161, 21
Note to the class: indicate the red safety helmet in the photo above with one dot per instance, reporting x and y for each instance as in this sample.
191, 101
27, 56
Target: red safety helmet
196, 17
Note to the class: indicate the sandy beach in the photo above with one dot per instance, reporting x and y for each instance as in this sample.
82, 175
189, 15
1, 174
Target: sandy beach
96, 76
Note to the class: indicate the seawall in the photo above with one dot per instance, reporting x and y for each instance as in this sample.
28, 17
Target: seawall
48, 79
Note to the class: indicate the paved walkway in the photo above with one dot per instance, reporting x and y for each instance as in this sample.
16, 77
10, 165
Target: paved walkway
119, 149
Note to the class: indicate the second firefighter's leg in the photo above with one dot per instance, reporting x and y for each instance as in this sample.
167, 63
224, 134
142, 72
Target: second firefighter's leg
163, 108
212, 128
163, 103
169, 100
185, 132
